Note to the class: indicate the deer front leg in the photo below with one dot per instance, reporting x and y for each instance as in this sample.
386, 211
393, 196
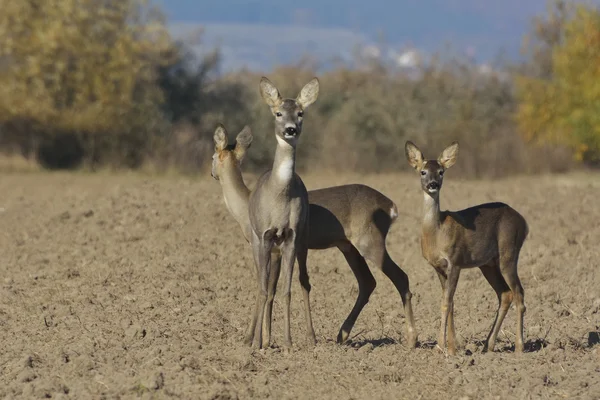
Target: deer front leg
263, 248
288, 257
249, 336
453, 272
273, 279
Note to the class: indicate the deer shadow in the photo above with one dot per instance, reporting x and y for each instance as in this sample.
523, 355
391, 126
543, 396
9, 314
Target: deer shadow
531, 346
357, 344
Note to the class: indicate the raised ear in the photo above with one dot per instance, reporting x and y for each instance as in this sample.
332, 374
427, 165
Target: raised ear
243, 141
309, 93
413, 155
269, 93
220, 138
448, 156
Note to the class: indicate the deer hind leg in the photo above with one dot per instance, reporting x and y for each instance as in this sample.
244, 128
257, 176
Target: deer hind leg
366, 286
302, 255
378, 254
492, 273
272, 289
508, 267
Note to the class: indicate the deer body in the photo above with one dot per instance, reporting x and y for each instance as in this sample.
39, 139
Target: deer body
469, 237
278, 210
489, 236
354, 218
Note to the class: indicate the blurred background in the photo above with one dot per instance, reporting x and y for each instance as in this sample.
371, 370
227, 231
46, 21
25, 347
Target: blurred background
133, 84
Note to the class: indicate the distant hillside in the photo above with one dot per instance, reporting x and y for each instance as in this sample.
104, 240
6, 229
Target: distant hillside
259, 33
259, 47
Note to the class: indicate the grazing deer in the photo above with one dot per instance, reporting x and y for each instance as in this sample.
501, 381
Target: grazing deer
278, 208
488, 236
353, 218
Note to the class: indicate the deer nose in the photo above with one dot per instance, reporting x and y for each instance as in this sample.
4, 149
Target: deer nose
291, 130
433, 185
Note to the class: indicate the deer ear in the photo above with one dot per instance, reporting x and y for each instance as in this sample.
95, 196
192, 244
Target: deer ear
269, 93
413, 155
243, 141
448, 156
220, 138
309, 93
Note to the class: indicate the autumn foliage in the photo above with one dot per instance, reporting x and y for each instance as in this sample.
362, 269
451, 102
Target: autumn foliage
95, 83
564, 107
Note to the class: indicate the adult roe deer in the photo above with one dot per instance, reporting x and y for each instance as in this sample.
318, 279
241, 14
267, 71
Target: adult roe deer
488, 236
354, 218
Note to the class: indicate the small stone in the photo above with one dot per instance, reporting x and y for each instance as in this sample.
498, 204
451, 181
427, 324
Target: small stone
134, 331
26, 376
470, 349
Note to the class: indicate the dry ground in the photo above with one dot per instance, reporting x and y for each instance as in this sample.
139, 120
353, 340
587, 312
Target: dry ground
128, 286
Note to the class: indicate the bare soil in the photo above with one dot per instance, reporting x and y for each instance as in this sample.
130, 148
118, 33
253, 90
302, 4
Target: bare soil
135, 287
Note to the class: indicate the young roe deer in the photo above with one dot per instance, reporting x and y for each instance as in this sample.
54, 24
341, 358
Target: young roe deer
488, 236
354, 218
278, 208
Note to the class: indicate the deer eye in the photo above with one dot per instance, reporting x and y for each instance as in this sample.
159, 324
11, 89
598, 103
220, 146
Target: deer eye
278, 114
441, 173
300, 114
423, 173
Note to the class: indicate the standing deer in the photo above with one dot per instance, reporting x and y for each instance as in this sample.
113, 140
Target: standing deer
488, 236
354, 218
278, 209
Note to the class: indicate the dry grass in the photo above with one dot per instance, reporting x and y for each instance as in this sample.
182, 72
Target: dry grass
17, 163
134, 286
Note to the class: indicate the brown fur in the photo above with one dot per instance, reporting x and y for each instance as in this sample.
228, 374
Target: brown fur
488, 236
354, 218
278, 210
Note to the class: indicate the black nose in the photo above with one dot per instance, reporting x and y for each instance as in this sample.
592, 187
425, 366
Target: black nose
290, 130
433, 185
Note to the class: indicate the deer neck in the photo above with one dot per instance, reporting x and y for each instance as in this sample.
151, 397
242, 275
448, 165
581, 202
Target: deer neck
284, 166
431, 214
236, 195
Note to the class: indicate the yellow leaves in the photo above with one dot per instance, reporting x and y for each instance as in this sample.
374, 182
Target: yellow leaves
76, 63
565, 109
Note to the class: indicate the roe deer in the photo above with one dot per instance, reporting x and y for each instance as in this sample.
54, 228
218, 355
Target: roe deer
488, 236
354, 218
278, 209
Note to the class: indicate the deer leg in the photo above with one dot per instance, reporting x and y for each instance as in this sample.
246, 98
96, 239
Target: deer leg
273, 279
494, 277
444, 282
508, 267
288, 257
249, 336
366, 286
263, 248
302, 255
400, 281
377, 253
448, 308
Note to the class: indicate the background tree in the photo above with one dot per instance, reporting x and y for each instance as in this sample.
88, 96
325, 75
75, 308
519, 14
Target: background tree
83, 69
564, 107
